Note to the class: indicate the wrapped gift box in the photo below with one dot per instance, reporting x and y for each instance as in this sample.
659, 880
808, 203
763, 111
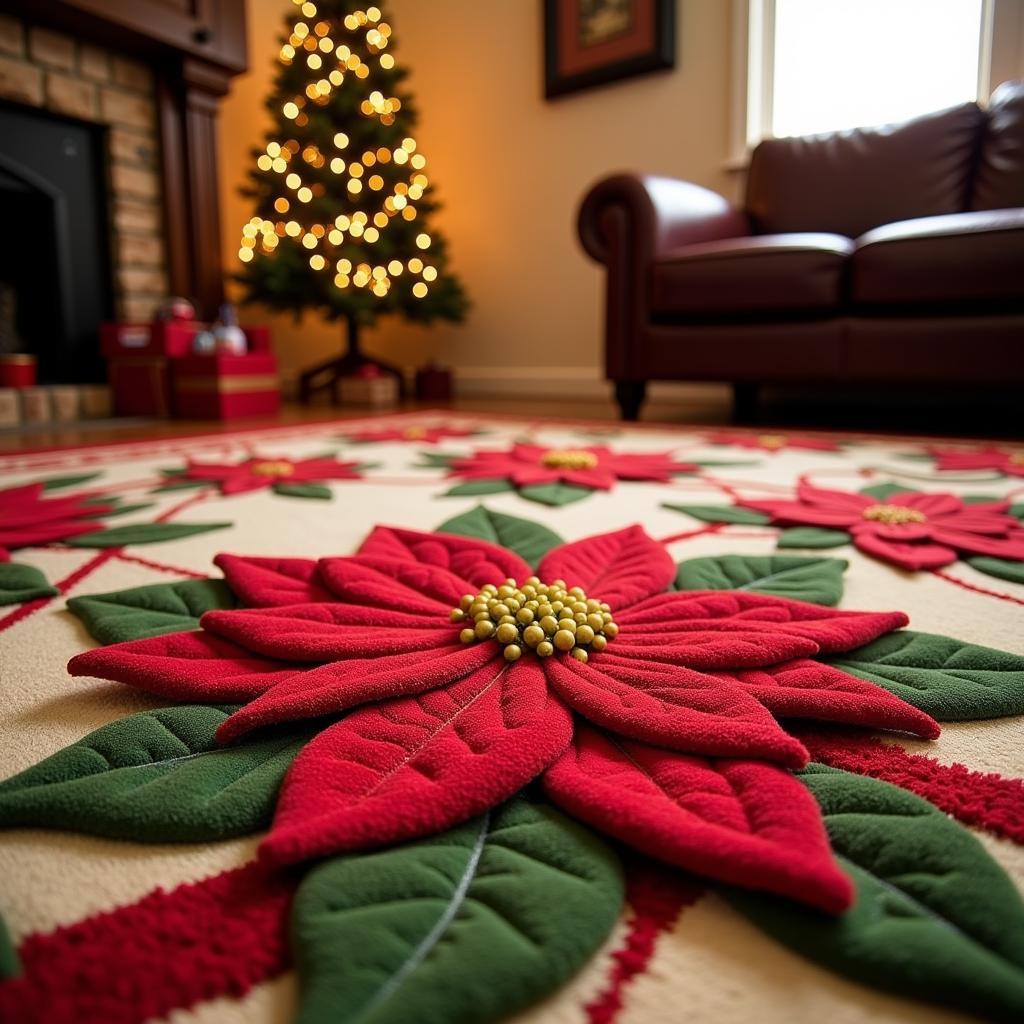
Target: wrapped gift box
225, 387
141, 385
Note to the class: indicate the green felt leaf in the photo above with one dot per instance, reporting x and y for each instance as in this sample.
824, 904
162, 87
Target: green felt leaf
978, 499
555, 495
149, 611
1001, 568
10, 966
20, 582
181, 485
951, 680
155, 777
530, 540
441, 460
141, 533
119, 510
470, 926
718, 463
936, 918
56, 482
800, 577
812, 537
303, 491
885, 491
732, 514
1017, 511
473, 488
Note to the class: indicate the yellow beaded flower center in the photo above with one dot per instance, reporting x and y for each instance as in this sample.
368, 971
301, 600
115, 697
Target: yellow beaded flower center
1017, 459
415, 433
893, 515
773, 441
542, 617
569, 458
272, 468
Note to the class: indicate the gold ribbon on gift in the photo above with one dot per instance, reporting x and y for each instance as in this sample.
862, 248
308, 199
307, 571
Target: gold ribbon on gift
230, 384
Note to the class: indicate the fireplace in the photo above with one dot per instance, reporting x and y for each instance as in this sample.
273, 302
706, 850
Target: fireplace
55, 259
108, 177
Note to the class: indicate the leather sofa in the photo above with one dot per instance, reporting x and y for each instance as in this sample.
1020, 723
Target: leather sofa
889, 255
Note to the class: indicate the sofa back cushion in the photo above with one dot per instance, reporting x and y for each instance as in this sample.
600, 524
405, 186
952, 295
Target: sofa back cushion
849, 182
999, 182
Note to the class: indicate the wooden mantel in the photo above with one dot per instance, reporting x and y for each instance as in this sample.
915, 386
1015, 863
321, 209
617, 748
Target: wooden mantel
194, 48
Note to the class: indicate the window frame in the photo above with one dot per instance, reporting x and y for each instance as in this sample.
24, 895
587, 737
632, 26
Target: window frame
753, 61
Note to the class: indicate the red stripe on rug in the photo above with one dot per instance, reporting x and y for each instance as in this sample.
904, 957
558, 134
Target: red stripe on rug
983, 800
975, 589
657, 894
217, 937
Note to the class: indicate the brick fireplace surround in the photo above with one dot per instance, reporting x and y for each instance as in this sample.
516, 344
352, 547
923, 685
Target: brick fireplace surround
43, 68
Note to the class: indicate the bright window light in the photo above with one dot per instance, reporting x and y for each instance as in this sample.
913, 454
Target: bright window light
846, 63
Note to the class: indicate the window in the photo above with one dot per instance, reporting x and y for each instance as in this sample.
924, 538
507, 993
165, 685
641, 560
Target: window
824, 65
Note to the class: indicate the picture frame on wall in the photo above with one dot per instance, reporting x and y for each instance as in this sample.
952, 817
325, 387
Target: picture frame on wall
594, 42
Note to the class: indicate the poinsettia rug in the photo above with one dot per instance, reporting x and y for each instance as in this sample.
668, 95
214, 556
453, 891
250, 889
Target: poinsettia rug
442, 718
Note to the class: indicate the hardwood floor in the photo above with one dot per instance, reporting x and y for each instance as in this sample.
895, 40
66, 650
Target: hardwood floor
967, 416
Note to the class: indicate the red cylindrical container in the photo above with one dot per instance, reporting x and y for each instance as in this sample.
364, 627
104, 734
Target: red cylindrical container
17, 370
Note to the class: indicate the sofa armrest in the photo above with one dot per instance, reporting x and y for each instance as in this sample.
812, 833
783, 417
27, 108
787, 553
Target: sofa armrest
659, 214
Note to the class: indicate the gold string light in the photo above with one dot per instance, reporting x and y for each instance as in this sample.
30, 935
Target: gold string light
333, 61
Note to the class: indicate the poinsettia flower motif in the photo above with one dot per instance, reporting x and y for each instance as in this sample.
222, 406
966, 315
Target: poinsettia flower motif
463, 676
419, 433
1008, 461
256, 472
28, 519
908, 528
594, 467
774, 442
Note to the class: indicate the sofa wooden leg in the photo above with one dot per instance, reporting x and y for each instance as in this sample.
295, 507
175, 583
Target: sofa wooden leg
630, 395
744, 402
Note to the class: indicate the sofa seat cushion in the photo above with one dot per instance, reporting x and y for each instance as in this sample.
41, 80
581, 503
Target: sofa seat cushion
957, 259
764, 273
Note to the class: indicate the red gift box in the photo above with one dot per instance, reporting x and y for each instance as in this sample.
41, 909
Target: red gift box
224, 387
141, 385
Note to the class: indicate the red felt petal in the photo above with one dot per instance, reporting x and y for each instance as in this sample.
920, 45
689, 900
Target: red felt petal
183, 666
340, 685
244, 483
620, 568
323, 469
45, 533
742, 822
929, 504
1011, 547
804, 515
474, 561
913, 556
271, 582
418, 765
596, 479
823, 498
709, 610
534, 476
679, 708
810, 689
394, 583
712, 648
320, 632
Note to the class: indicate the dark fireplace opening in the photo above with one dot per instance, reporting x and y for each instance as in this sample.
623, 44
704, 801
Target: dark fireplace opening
54, 256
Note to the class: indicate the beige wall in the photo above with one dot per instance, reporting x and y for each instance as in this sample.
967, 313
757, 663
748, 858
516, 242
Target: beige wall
510, 169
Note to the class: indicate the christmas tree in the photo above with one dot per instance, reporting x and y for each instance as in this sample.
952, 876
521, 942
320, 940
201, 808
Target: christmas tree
341, 189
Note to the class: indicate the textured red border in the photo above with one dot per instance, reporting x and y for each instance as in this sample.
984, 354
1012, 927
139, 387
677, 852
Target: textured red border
170, 950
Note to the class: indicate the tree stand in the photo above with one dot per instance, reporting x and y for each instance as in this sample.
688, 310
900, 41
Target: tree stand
326, 375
